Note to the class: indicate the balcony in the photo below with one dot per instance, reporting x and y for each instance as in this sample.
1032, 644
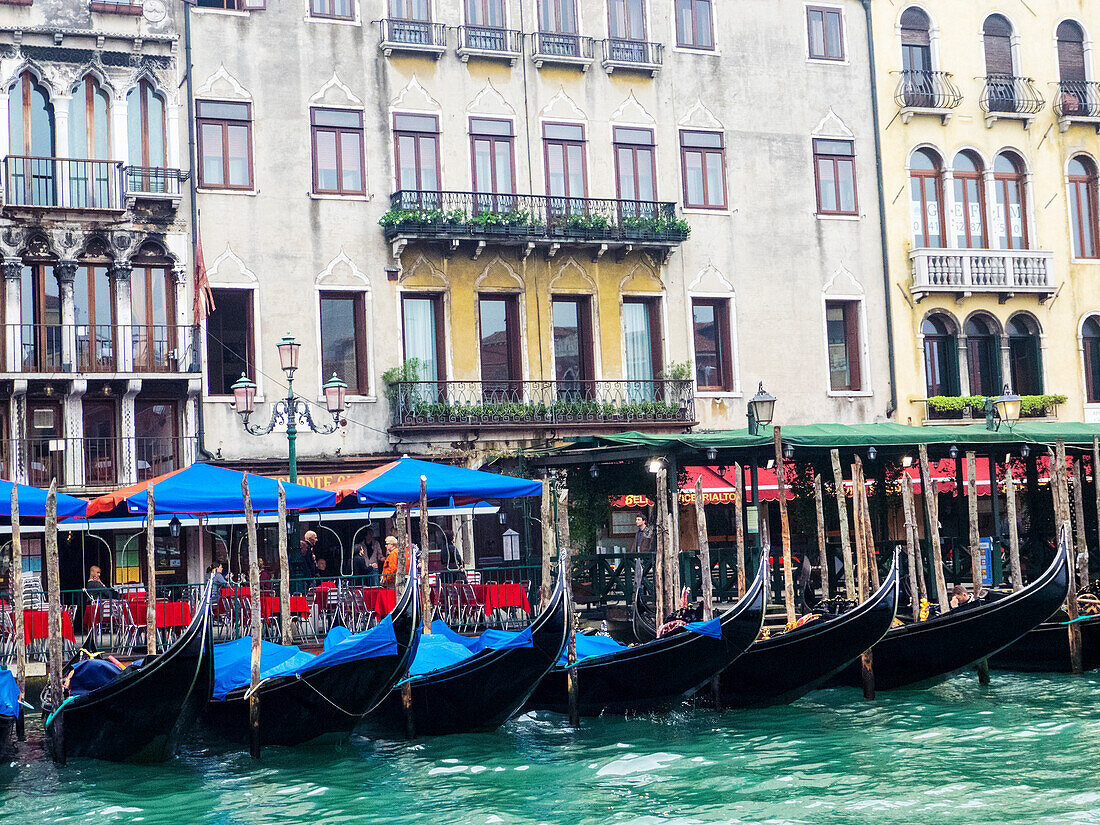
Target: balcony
432, 405
413, 37
101, 349
632, 55
532, 221
489, 44
1012, 98
964, 272
968, 409
926, 93
561, 50
152, 183
1078, 102
63, 184
79, 463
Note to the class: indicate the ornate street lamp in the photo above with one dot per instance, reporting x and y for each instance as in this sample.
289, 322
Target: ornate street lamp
1005, 407
761, 409
292, 410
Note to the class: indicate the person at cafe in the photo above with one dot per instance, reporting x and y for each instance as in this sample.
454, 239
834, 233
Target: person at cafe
320, 568
304, 567
216, 573
95, 586
389, 569
643, 535
362, 567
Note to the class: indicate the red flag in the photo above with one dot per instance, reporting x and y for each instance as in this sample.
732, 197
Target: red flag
204, 298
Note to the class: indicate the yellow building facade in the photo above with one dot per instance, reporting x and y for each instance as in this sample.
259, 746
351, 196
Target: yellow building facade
989, 117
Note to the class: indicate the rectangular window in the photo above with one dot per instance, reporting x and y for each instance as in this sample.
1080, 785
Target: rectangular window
225, 144
156, 438
337, 151
826, 33
635, 166
626, 19
835, 173
240, 5
334, 9
99, 443
422, 335
642, 346
558, 16
40, 331
94, 306
713, 353
564, 148
703, 157
45, 444
501, 370
229, 340
419, 10
488, 14
842, 333
573, 352
344, 339
491, 143
695, 24
152, 309
416, 157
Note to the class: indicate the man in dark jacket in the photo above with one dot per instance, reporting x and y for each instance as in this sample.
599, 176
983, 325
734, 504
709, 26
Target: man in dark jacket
643, 536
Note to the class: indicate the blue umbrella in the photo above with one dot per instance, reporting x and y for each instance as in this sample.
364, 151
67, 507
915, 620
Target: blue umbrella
399, 483
32, 502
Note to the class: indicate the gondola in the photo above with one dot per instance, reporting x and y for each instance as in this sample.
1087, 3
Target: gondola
785, 667
141, 714
660, 673
643, 627
326, 701
927, 652
1046, 648
482, 692
10, 709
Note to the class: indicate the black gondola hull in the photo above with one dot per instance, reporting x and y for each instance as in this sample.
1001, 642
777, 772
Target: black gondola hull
928, 652
325, 703
1046, 648
658, 674
781, 669
484, 691
142, 715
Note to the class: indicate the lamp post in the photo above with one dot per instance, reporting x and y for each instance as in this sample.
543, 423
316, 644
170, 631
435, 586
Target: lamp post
761, 410
292, 409
1005, 407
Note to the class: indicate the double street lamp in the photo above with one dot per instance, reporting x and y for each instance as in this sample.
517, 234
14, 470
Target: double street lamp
292, 410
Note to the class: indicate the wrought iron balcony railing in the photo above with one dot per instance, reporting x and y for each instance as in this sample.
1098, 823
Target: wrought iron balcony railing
63, 183
931, 92
1077, 100
106, 461
444, 404
152, 182
399, 35
966, 271
565, 49
632, 54
479, 216
489, 42
101, 348
1010, 96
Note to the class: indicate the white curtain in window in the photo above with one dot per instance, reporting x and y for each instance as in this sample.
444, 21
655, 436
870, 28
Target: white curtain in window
638, 347
420, 338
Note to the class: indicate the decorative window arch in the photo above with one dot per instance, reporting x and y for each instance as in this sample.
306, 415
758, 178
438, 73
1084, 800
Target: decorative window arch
90, 120
30, 117
968, 210
940, 344
983, 354
1072, 66
1025, 354
926, 198
146, 126
1082, 179
1010, 204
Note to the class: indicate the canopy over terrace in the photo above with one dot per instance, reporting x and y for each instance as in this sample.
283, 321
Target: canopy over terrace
399, 483
32, 502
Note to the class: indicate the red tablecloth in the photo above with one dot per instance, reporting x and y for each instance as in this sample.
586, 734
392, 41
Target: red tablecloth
36, 625
236, 592
380, 600
501, 597
169, 614
269, 606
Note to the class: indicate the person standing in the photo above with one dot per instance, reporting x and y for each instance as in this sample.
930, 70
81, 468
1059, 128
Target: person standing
643, 535
305, 566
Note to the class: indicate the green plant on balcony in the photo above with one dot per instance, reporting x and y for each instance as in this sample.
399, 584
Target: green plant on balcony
1031, 406
677, 371
586, 222
642, 225
1036, 406
956, 403
408, 372
397, 217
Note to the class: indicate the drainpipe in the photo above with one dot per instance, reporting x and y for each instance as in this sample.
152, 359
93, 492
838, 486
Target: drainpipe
200, 422
893, 406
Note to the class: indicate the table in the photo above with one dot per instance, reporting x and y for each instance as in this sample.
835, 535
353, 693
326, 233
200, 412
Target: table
36, 625
269, 606
502, 597
380, 600
169, 614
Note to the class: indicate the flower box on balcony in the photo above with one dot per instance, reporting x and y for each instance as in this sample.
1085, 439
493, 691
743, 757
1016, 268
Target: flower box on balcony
966, 408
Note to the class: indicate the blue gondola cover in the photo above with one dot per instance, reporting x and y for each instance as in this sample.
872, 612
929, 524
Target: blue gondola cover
92, 674
233, 660
9, 694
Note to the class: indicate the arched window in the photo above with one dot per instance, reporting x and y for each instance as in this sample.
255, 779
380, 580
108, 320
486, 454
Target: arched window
90, 121
1082, 207
926, 194
31, 172
916, 58
997, 37
146, 144
968, 216
1090, 335
1071, 52
941, 356
1010, 221
1025, 358
983, 356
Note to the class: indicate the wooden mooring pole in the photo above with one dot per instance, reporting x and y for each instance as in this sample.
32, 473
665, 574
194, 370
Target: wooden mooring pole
912, 552
400, 524
53, 645
1013, 530
425, 585
286, 633
256, 622
705, 580
975, 542
931, 510
740, 555
784, 526
1059, 487
1081, 545
548, 553
822, 549
851, 593
150, 573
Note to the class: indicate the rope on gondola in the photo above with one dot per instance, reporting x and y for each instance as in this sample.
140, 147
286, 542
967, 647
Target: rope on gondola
345, 712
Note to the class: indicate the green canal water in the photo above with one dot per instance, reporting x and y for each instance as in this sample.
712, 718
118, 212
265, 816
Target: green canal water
1026, 749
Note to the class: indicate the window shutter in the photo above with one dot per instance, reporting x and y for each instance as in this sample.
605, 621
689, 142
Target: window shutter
1071, 53
998, 45
851, 331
